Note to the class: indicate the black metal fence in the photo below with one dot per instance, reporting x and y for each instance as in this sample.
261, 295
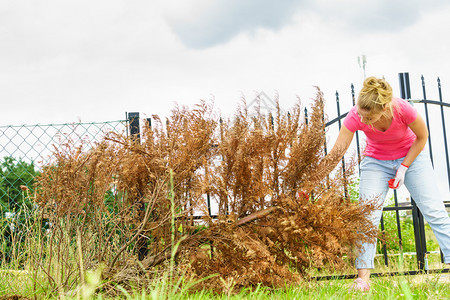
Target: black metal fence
24, 148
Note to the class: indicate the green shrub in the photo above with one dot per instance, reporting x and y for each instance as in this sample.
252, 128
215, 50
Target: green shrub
407, 234
391, 234
16, 176
16, 186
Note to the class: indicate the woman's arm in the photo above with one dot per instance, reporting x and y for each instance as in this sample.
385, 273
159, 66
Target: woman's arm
343, 141
420, 130
327, 165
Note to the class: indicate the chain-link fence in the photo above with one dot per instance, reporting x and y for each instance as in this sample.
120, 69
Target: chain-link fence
25, 149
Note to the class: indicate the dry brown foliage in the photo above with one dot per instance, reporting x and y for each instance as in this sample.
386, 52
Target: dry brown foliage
266, 232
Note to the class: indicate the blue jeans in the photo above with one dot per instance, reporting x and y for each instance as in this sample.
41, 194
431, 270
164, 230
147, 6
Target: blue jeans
420, 182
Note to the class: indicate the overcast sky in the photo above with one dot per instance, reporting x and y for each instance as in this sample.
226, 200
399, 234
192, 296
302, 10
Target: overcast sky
64, 61
93, 60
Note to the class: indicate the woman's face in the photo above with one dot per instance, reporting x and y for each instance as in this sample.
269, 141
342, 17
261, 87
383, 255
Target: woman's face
369, 117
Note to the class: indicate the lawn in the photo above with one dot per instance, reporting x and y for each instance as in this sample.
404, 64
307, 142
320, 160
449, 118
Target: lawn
425, 286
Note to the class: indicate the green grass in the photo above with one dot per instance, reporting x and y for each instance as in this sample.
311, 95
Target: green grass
428, 286
14, 281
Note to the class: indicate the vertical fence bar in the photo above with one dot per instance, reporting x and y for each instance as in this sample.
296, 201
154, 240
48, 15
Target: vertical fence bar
324, 133
324, 140
405, 92
338, 109
445, 141
419, 235
358, 150
385, 254
427, 119
419, 229
343, 160
444, 131
397, 217
306, 116
208, 202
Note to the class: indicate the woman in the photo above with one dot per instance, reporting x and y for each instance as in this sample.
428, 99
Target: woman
396, 135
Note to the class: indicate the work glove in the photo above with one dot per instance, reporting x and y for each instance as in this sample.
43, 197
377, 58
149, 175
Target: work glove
399, 179
303, 195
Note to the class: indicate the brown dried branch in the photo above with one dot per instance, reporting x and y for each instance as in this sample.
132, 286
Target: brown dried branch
256, 216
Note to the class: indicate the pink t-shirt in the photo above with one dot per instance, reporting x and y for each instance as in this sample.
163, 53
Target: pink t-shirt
394, 143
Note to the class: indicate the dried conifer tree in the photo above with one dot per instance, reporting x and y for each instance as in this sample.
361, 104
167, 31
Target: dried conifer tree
276, 216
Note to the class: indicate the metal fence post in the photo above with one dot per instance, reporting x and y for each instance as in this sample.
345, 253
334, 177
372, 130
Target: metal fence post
133, 121
418, 223
405, 89
134, 129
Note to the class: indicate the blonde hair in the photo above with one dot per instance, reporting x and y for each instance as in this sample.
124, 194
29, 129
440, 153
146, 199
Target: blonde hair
375, 95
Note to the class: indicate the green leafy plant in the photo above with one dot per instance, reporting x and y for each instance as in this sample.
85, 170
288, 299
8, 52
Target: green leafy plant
17, 179
391, 231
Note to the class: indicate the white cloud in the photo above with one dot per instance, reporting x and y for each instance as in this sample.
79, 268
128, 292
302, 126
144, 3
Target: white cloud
203, 24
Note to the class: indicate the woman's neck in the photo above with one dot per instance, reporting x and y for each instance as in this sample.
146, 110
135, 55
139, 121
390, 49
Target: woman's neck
384, 122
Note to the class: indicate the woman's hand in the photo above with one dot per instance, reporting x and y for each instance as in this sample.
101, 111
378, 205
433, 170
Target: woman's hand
399, 179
